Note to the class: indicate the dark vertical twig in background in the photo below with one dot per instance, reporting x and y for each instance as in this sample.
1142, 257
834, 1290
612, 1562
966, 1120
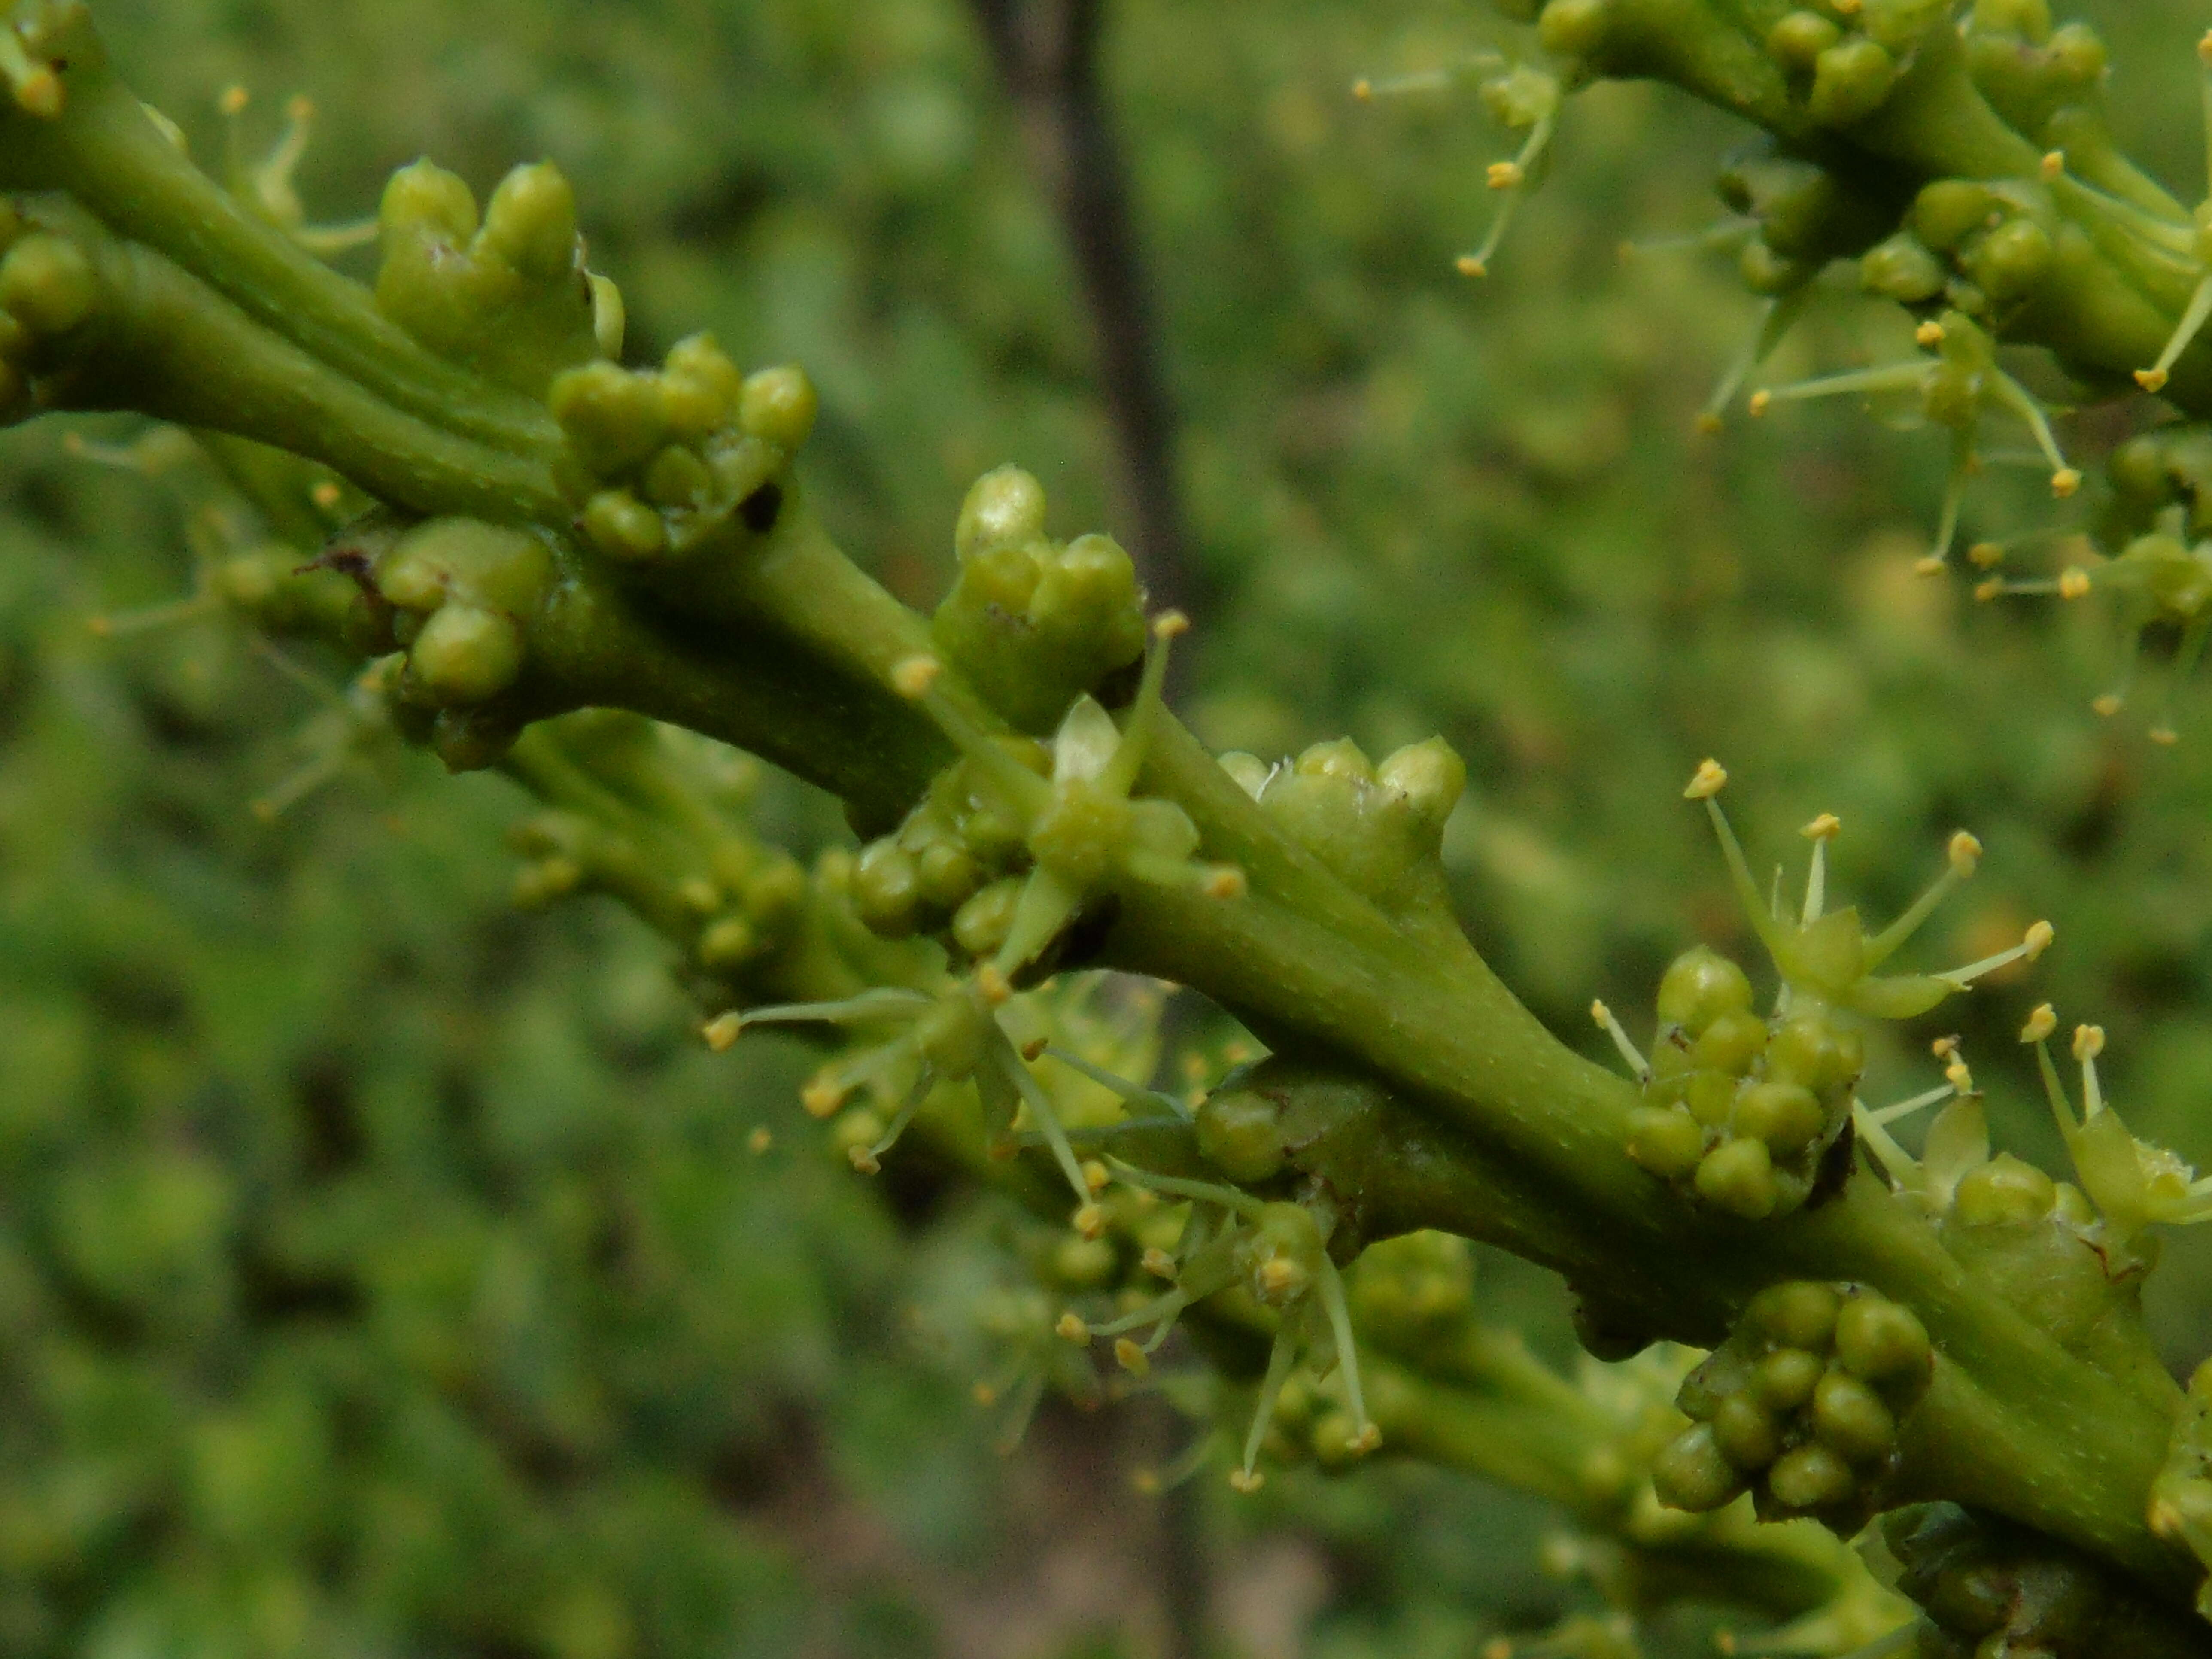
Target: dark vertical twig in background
1047, 52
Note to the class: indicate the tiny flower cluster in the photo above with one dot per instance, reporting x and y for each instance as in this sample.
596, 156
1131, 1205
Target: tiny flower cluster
1743, 1109
1802, 1403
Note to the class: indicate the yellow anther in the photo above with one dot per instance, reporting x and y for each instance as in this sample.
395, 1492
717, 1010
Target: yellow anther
912, 677
2038, 940
2107, 705
1170, 624
722, 1030
2073, 582
1247, 1480
2040, 1023
1958, 1077
1072, 1328
1227, 882
1279, 1277
992, 985
2089, 1042
760, 1141
300, 107
1761, 401
1708, 423
1467, 266
1827, 827
1363, 89
1505, 175
821, 1097
1964, 853
233, 100
1131, 1357
326, 496
1367, 1440
1944, 1048
1158, 1262
984, 1396
1095, 1175
1034, 1050
2165, 736
2053, 164
1986, 590
1986, 555
1712, 777
1601, 1016
1238, 1053
1930, 333
864, 1160
1928, 565
1090, 1220
2151, 379
2065, 481
2204, 47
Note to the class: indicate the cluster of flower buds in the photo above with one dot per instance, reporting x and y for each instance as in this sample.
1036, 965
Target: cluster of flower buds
1032, 623
666, 464
456, 596
1801, 1404
1988, 1588
1742, 1109
505, 295
1275, 1252
1379, 827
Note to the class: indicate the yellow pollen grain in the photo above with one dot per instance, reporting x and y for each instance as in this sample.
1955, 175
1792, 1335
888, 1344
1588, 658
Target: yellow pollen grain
759, 1142
2052, 165
2108, 705
1930, 333
233, 100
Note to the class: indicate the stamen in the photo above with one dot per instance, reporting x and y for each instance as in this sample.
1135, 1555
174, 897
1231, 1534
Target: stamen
1822, 830
1119, 775
1204, 1192
1954, 497
1612, 1027
1963, 855
883, 1002
147, 618
1001, 1052
2193, 319
922, 1084
1369, 1436
2064, 480
1131, 1094
1247, 1478
2088, 1043
2037, 940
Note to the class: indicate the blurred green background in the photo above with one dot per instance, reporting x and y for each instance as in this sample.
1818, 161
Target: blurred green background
387, 1272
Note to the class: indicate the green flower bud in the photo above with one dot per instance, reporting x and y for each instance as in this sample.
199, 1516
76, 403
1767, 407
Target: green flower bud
1700, 986
1572, 28
728, 943
1077, 1263
980, 925
1899, 25
1340, 758
1947, 211
2011, 259
1666, 1140
1850, 1419
1878, 1339
1005, 507
1431, 777
886, 890
1767, 272
1730, 1043
1080, 831
1738, 1176
1786, 1379
1798, 38
778, 406
1785, 1116
623, 527
1694, 1473
1810, 1477
466, 655
1850, 80
1902, 269
946, 875
1814, 1052
1240, 1132
46, 283
2003, 1193
1744, 1433
1800, 1314
2076, 55
426, 196
677, 478
531, 223
611, 417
